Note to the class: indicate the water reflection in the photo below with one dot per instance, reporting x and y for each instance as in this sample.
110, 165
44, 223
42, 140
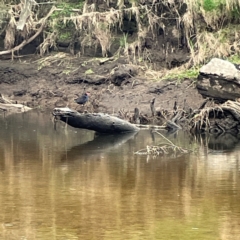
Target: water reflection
100, 143
222, 142
69, 184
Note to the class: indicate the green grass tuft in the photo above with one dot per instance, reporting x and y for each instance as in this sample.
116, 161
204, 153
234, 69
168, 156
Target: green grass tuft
234, 59
191, 73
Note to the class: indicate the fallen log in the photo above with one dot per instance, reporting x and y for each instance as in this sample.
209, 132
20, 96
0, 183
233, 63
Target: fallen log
99, 122
14, 108
7, 106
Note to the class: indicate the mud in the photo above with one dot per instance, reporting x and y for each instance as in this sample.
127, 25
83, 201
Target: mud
47, 85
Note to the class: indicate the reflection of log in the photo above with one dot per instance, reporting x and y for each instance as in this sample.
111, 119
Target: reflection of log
219, 142
100, 144
98, 122
226, 141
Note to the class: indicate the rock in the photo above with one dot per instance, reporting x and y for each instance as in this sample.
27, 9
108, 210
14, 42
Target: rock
123, 72
90, 79
159, 88
19, 93
220, 80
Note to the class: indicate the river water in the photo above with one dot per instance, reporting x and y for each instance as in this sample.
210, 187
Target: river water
67, 183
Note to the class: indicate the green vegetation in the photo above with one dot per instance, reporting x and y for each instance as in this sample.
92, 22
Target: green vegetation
234, 59
124, 40
89, 71
180, 75
64, 29
209, 28
210, 5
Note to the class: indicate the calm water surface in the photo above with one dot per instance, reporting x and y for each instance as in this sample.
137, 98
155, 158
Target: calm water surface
70, 184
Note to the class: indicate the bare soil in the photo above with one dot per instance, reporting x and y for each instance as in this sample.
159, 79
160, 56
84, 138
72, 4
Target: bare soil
46, 85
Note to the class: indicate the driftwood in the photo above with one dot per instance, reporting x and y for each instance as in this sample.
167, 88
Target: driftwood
136, 115
14, 108
172, 123
172, 126
104, 60
99, 122
8, 106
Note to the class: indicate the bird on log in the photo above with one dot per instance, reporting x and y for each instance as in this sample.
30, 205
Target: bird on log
82, 99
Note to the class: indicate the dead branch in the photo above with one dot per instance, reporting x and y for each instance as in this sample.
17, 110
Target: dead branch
25, 42
136, 116
25, 13
153, 107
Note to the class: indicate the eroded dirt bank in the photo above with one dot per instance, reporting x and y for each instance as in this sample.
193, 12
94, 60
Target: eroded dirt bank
43, 85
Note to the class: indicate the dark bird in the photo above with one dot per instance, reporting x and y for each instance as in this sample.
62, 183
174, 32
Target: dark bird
83, 99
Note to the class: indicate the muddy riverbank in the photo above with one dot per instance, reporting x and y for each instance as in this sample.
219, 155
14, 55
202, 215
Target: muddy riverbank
54, 82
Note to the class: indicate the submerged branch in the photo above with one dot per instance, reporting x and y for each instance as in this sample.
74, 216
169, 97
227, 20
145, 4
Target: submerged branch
168, 148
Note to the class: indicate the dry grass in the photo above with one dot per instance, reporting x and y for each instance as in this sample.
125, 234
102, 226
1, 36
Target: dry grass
209, 32
99, 25
49, 42
208, 29
60, 59
9, 39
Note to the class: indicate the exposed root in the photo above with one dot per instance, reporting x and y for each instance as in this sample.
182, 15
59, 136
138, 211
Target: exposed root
217, 118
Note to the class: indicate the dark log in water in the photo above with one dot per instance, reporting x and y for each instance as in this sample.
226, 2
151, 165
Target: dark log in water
99, 122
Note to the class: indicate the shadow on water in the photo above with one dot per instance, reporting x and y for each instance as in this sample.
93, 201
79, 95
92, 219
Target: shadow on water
223, 142
100, 143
